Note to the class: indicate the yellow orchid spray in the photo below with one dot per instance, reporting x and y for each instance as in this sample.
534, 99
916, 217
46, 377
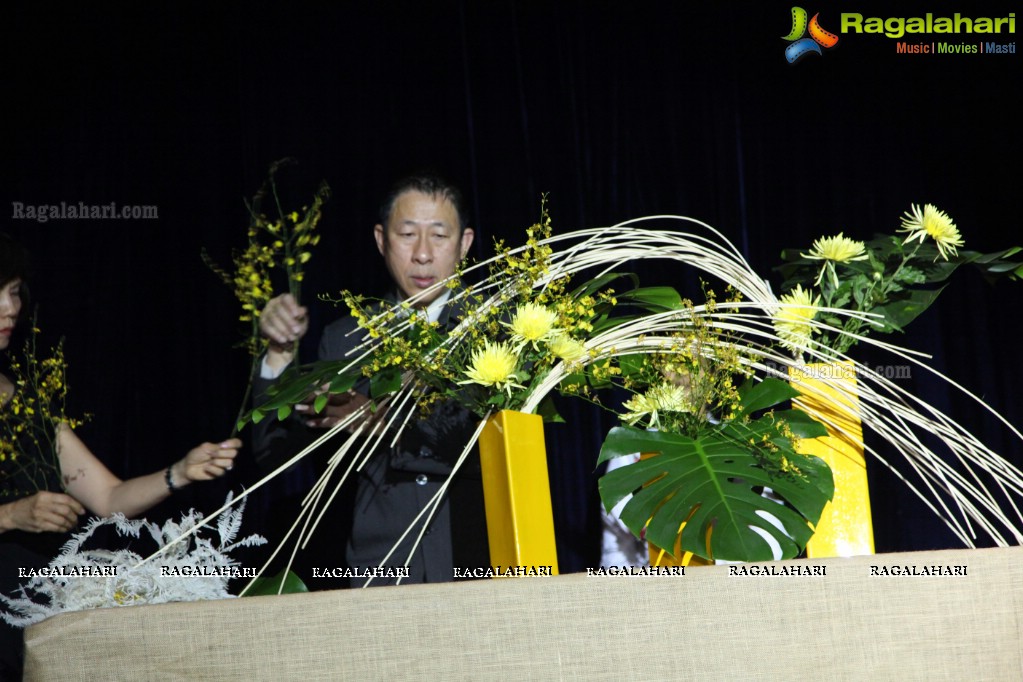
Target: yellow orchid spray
285, 242
31, 419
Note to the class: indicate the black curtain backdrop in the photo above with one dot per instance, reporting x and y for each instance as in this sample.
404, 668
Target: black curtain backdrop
617, 110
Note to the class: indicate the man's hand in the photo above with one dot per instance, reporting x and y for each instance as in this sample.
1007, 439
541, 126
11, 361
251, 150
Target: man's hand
338, 407
283, 321
42, 512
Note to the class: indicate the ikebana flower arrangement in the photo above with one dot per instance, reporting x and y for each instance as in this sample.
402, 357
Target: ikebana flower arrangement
890, 280
525, 324
715, 445
284, 243
81, 578
31, 418
517, 342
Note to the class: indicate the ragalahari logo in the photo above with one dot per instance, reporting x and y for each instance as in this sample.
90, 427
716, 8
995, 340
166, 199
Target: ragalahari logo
800, 44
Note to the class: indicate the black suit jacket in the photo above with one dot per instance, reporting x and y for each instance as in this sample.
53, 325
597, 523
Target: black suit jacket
398, 482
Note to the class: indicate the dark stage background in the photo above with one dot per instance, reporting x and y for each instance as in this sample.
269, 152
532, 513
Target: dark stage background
617, 110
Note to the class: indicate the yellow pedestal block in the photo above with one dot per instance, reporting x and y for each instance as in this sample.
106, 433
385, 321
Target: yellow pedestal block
658, 557
829, 394
517, 494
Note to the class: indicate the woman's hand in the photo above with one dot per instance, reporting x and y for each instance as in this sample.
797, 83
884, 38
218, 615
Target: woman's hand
206, 462
42, 512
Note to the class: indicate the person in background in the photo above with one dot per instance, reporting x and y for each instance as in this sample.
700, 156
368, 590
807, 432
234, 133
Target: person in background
33, 525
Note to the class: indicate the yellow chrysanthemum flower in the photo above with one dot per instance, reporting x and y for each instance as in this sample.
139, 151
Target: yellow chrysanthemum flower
493, 365
667, 397
532, 322
838, 249
932, 223
792, 322
566, 348
671, 397
639, 406
831, 250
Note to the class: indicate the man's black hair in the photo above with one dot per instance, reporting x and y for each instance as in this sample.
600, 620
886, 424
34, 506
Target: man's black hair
429, 184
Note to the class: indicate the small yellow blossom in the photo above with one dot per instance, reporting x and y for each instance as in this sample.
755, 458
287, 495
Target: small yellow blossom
793, 320
932, 223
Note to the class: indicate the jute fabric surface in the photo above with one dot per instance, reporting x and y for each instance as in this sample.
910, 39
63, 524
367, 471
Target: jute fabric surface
849, 624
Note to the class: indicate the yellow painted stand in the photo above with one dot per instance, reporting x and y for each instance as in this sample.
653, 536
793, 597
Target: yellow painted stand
829, 394
658, 557
516, 491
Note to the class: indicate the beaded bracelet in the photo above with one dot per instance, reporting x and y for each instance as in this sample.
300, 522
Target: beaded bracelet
167, 478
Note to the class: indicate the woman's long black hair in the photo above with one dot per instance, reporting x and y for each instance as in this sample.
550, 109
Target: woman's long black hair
14, 264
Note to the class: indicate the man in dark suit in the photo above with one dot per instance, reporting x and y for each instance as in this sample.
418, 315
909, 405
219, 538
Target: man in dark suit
422, 237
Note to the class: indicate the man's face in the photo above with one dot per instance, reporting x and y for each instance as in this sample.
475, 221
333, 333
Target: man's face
420, 243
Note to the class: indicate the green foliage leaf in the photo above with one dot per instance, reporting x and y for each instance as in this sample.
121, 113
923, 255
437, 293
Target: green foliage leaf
549, 412
633, 364
653, 299
604, 323
297, 384
901, 312
596, 284
802, 424
765, 394
995, 265
344, 382
911, 275
384, 382
497, 400
999, 268
264, 586
320, 402
842, 296
714, 482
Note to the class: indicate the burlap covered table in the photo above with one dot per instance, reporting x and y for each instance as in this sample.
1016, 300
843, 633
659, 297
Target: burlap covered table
849, 624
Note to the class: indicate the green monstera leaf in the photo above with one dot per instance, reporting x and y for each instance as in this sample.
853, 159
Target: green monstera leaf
713, 483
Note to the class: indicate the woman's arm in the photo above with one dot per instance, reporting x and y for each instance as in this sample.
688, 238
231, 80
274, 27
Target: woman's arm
90, 482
